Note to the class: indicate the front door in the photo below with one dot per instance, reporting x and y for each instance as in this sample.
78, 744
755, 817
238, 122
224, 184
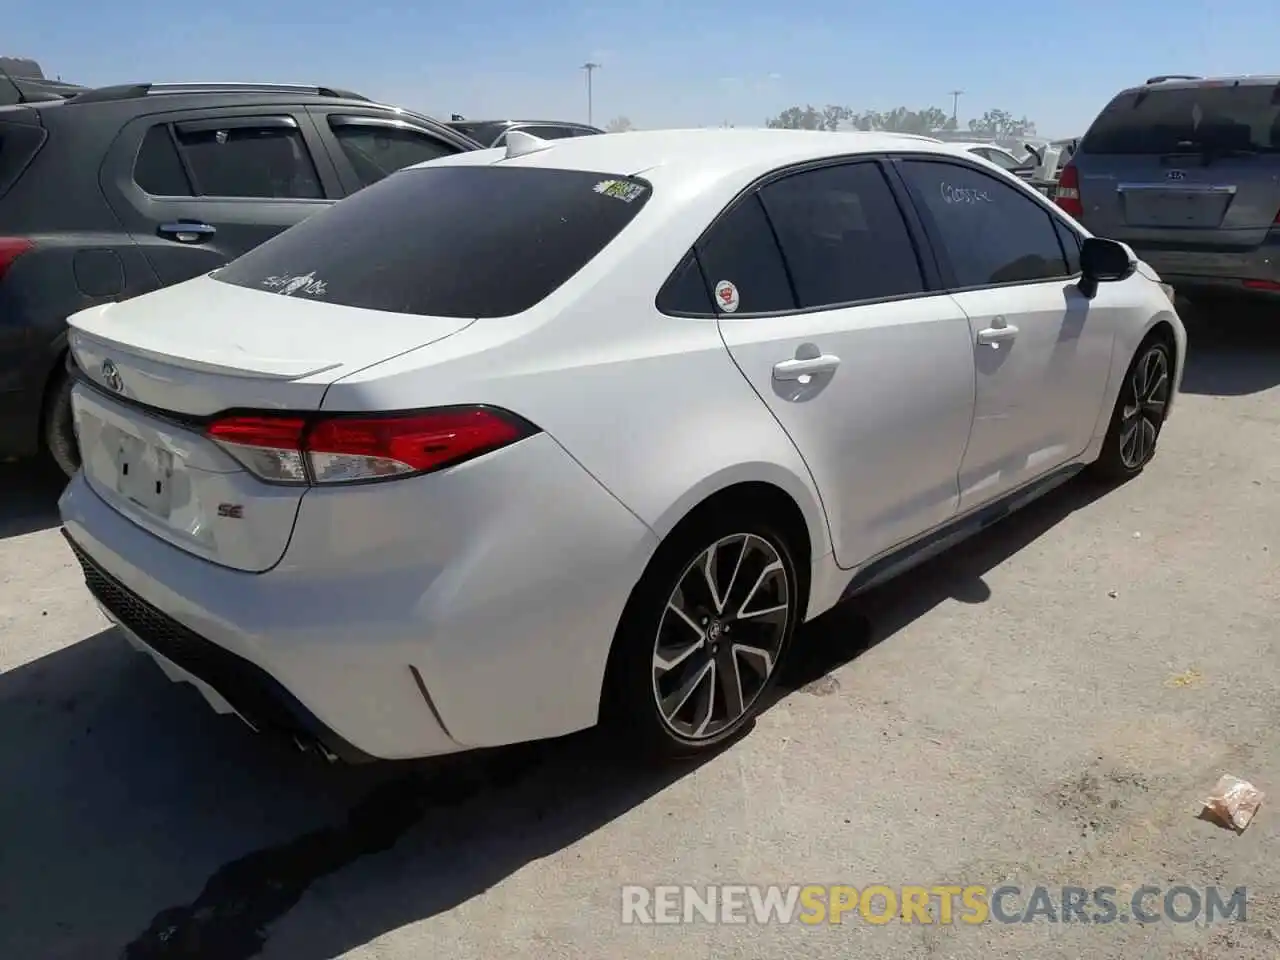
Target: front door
1042, 351
870, 373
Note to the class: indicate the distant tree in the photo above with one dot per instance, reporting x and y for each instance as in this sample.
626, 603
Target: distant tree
619, 125
833, 116
1001, 123
798, 118
995, 123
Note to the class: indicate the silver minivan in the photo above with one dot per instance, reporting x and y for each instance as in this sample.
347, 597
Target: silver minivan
1186, 171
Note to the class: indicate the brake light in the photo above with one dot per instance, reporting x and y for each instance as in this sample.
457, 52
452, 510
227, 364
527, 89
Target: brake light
346, 448
1270, 285
11, 248
1067, 193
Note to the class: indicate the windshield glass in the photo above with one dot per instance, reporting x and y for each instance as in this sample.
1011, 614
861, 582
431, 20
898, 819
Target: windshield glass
447, 241
1189, 120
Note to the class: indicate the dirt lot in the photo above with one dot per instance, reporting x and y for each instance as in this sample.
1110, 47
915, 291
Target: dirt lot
1048, 705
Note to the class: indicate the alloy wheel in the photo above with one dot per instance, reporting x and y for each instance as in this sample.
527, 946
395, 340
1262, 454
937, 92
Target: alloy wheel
1147, 394
721, 635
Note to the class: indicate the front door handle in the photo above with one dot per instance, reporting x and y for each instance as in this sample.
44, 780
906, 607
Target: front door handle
187, 231
795, 369
997, 335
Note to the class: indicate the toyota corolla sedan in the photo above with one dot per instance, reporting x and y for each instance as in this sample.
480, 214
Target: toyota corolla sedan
523, 440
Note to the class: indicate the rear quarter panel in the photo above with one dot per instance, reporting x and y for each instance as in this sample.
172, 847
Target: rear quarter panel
650, 405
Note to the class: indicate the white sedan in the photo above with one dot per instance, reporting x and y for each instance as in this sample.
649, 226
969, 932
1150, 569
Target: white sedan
518, 441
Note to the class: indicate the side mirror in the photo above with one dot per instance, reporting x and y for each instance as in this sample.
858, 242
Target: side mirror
1104, 261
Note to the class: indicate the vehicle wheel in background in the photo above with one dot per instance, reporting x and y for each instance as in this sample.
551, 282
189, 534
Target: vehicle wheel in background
59, 427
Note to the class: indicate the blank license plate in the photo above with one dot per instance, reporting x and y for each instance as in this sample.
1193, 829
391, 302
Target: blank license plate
144, 474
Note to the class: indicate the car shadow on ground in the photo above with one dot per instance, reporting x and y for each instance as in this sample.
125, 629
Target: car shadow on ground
28, 498
141, 825
1233, 348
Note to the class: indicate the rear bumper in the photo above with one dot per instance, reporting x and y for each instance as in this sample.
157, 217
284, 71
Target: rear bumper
225, 679
470, 608
1254, 272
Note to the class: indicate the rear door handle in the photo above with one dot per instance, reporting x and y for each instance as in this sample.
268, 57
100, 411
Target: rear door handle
997, 335
795, 369
187, 231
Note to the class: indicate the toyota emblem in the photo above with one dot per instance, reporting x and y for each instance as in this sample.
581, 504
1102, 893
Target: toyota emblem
1176, 175
111, 376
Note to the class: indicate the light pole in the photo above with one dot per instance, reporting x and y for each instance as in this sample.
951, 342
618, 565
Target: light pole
955, 104
591, 68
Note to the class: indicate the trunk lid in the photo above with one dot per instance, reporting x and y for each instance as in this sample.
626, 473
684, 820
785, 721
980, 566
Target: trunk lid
1181, 199
157, 367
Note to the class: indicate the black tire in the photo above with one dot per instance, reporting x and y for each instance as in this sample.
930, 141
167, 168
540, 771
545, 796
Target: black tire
59, 427
630, 705
1139, 414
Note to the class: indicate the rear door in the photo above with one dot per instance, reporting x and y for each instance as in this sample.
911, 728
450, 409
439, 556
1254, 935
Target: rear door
1192, 165
835, 325
198, 188
368, 145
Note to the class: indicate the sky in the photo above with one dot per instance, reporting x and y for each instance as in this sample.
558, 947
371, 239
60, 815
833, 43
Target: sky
664, 63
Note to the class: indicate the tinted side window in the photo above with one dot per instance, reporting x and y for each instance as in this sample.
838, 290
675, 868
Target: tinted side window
989, 231
741, 250
158, 169
268, 162
376, 150
842, 235
686, 290
1070, 244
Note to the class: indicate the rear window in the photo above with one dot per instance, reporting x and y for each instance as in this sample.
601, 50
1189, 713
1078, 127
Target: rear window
19, 142
1189, 119
451, 241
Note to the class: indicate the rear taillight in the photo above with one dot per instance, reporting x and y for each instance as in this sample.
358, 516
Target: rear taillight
348, 448
11, 248
1067, 193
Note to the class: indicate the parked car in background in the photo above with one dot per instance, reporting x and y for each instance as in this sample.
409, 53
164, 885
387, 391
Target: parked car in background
493, 133
120, 190
996, 154
1187, 172
402, 482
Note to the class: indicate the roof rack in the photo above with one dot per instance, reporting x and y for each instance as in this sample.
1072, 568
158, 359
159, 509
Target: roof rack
1172, 76
130, 91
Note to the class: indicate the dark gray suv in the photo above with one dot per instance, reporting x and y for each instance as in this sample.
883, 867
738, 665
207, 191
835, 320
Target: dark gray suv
1186, 171
117, 191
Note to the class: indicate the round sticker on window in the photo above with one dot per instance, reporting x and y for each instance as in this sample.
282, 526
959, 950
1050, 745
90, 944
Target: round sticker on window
726, 296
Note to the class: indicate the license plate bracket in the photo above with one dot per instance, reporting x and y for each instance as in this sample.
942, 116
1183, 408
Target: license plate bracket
144, 474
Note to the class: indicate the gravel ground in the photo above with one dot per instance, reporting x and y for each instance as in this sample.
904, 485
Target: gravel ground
1047, 705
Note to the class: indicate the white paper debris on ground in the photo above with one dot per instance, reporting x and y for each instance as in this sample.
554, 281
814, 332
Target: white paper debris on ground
1233, 802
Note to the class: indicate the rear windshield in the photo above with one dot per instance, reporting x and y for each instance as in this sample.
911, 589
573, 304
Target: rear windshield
1193, 119
447, 241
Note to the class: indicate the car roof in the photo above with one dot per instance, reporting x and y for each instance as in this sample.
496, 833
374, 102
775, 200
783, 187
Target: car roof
1185, 83
509, 123
698, 153
970, 144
